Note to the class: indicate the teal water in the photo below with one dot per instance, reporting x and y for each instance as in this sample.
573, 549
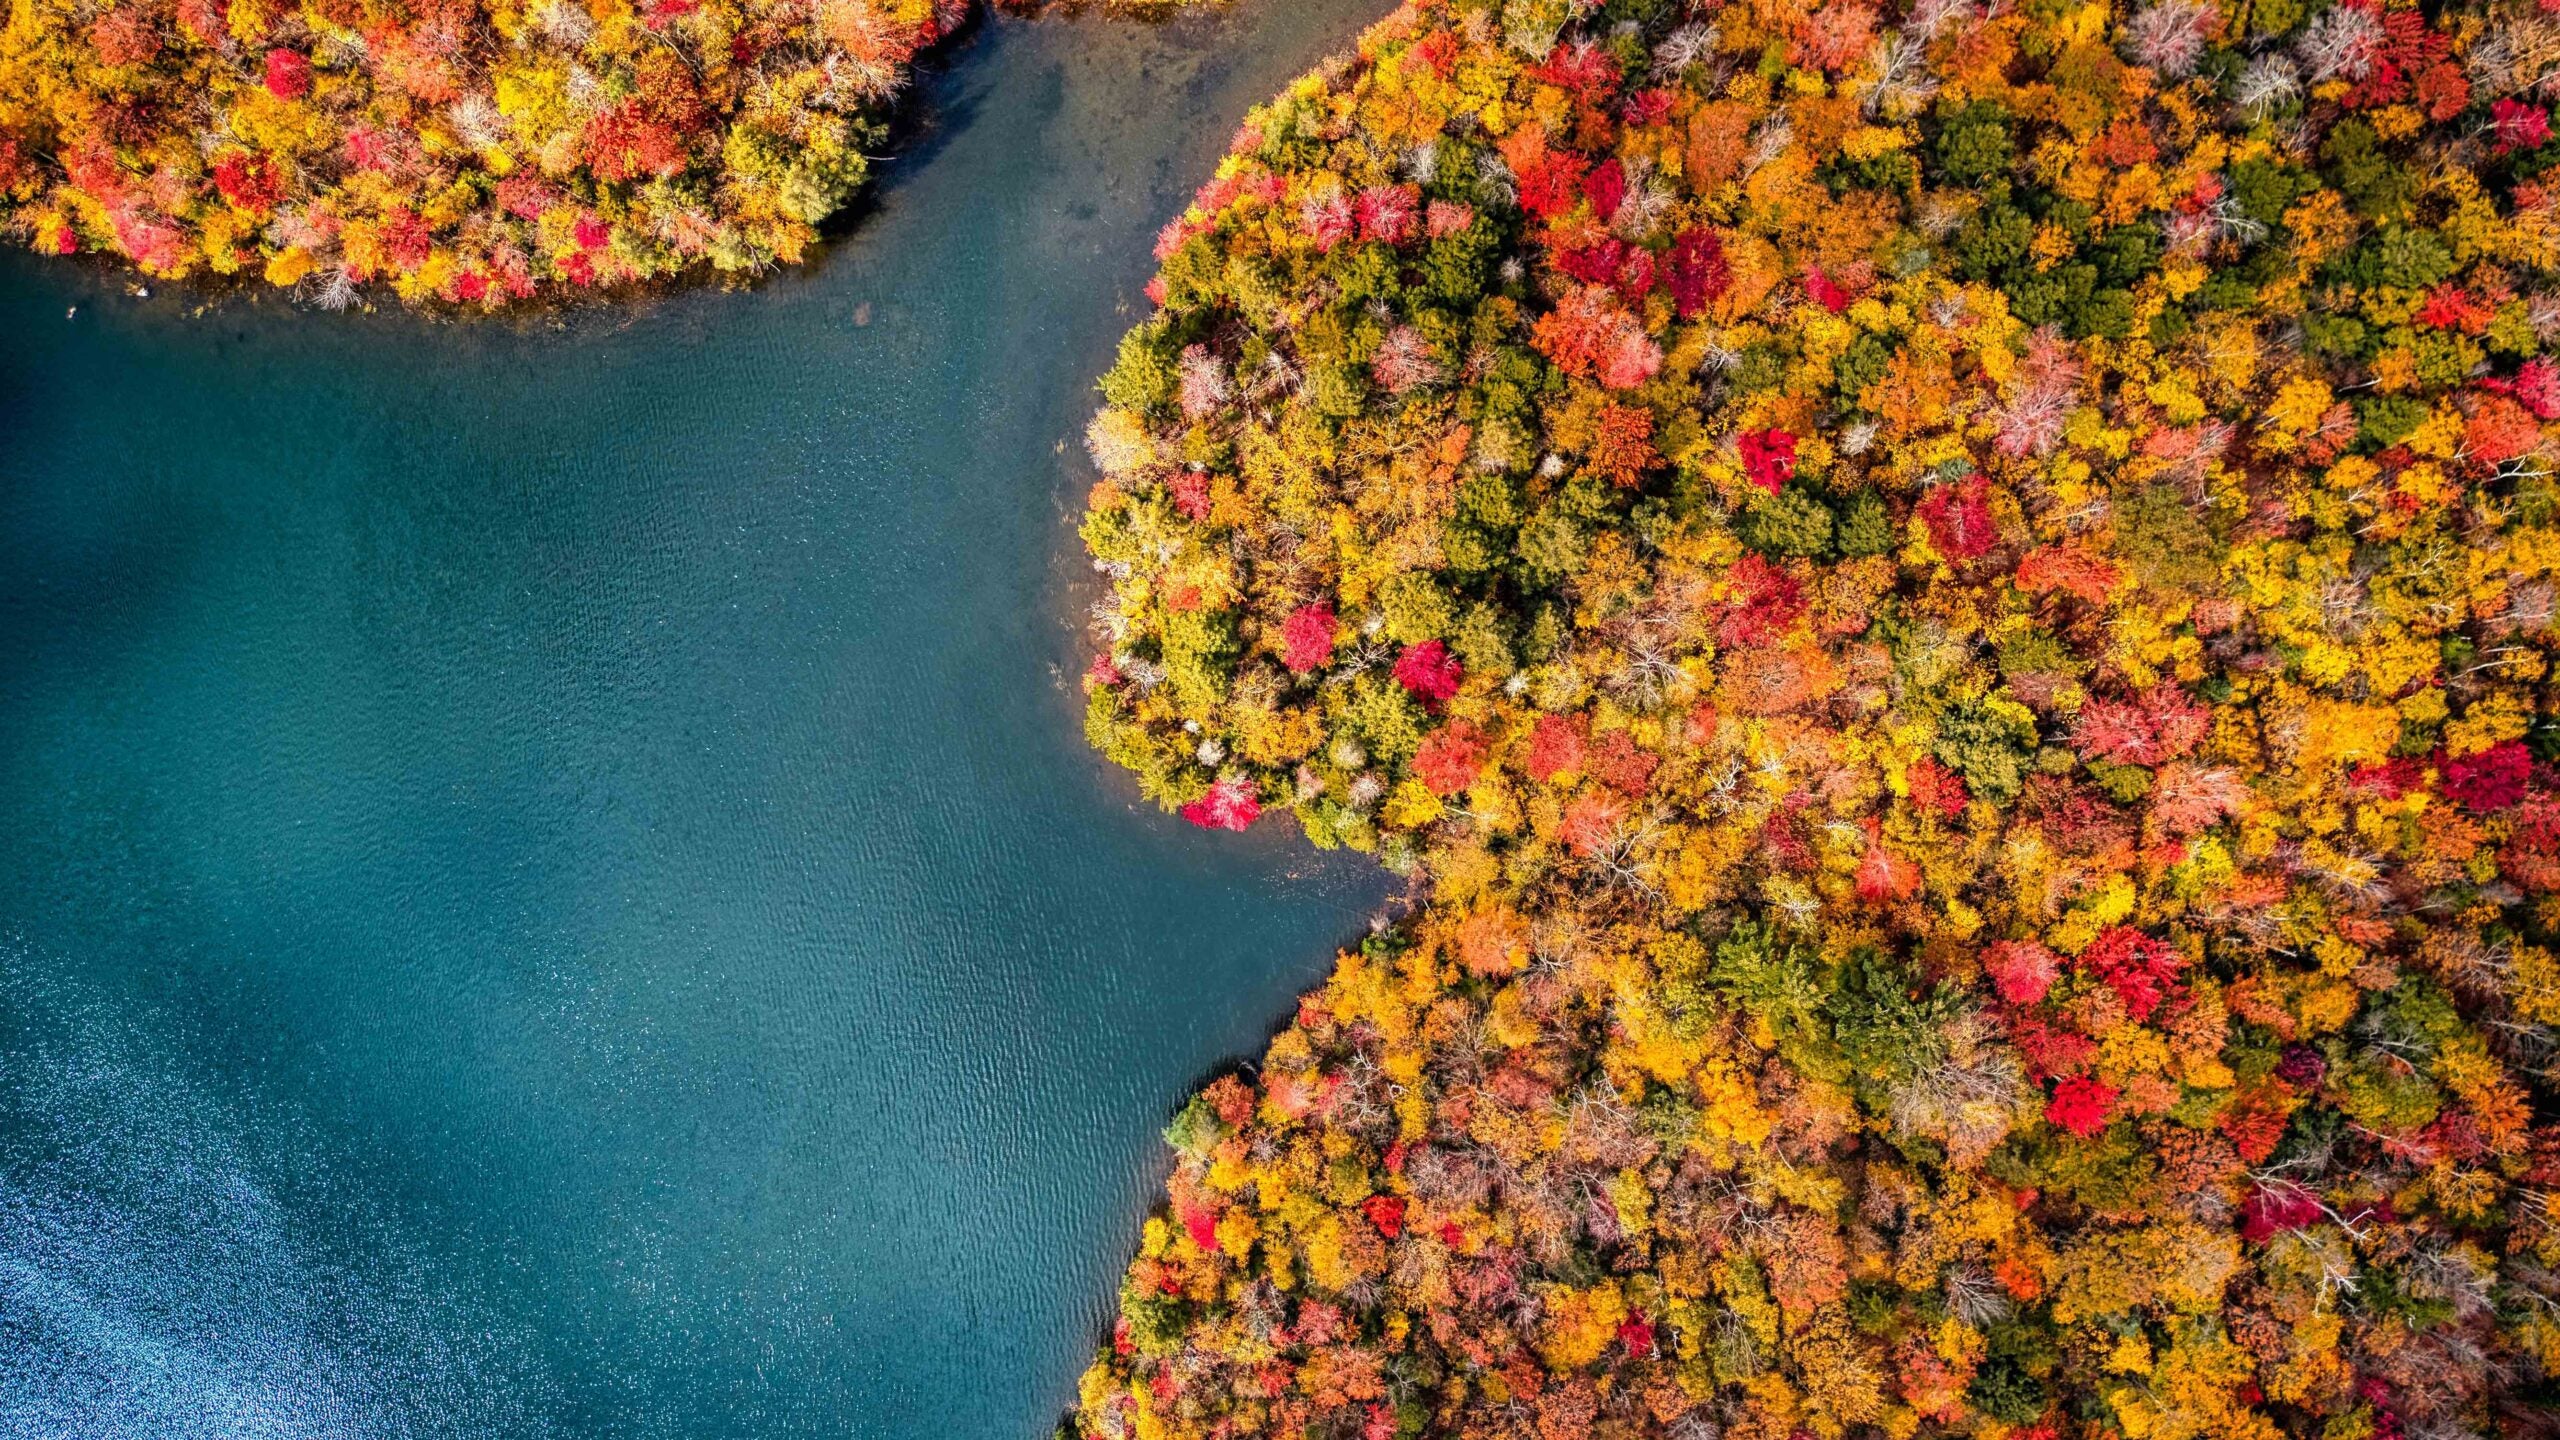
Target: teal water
549, 882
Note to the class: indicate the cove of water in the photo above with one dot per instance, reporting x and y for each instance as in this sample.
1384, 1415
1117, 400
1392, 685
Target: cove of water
549, 881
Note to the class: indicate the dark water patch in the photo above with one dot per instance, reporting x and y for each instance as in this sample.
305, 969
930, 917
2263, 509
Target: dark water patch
553, 886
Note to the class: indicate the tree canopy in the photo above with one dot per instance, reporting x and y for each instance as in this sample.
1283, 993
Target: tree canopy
1950, 607
466, 152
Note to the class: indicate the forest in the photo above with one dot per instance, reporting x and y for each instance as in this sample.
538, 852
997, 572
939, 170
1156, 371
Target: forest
467, 153
1949, 607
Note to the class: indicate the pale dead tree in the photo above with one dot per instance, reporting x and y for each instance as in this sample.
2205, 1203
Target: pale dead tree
1903, 83
1646, 204
1736, 1349
1644, 679
1111, 1423
1205, 386
2471, 967
1718, 792
1308, 785
297, 229
2490, 61
2345, 606
1931, 18
2234, 224
2327, 1259
2458, 1277
334, 289
2530, 605
2517, 53
1367, 653
1769, 140
1367, 789
2169, 36
1626, 857
2530, 1287
1772, 770
2401, 1052
585, 92
2343, 42
1547, 1215
2526, 1047
2269, 82
1798, 908
1275, 378
1973, 1296
1599, 1129
2357, 1228
1556, 939
1938, 218
1451, 1178
2348, 874
1967, 1094
692, 229
1683, 49
478, 120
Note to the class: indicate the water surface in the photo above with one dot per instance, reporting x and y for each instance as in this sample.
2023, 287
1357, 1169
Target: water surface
550, 884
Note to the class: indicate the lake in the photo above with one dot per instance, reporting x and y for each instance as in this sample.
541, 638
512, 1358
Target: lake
552, 884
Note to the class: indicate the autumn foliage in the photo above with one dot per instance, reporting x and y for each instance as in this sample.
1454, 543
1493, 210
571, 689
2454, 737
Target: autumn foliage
468, 152
1950, 608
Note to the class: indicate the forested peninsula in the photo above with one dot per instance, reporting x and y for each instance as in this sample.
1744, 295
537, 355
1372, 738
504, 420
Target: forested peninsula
1950, 607
460, 152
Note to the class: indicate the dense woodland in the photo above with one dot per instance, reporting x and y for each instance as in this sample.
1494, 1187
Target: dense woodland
1951, 608
464, 152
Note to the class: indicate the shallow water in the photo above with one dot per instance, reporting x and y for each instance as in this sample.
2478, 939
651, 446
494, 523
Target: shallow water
551, 886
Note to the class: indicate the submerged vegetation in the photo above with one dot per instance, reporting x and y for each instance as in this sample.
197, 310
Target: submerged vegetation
1951, 607
471, 152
